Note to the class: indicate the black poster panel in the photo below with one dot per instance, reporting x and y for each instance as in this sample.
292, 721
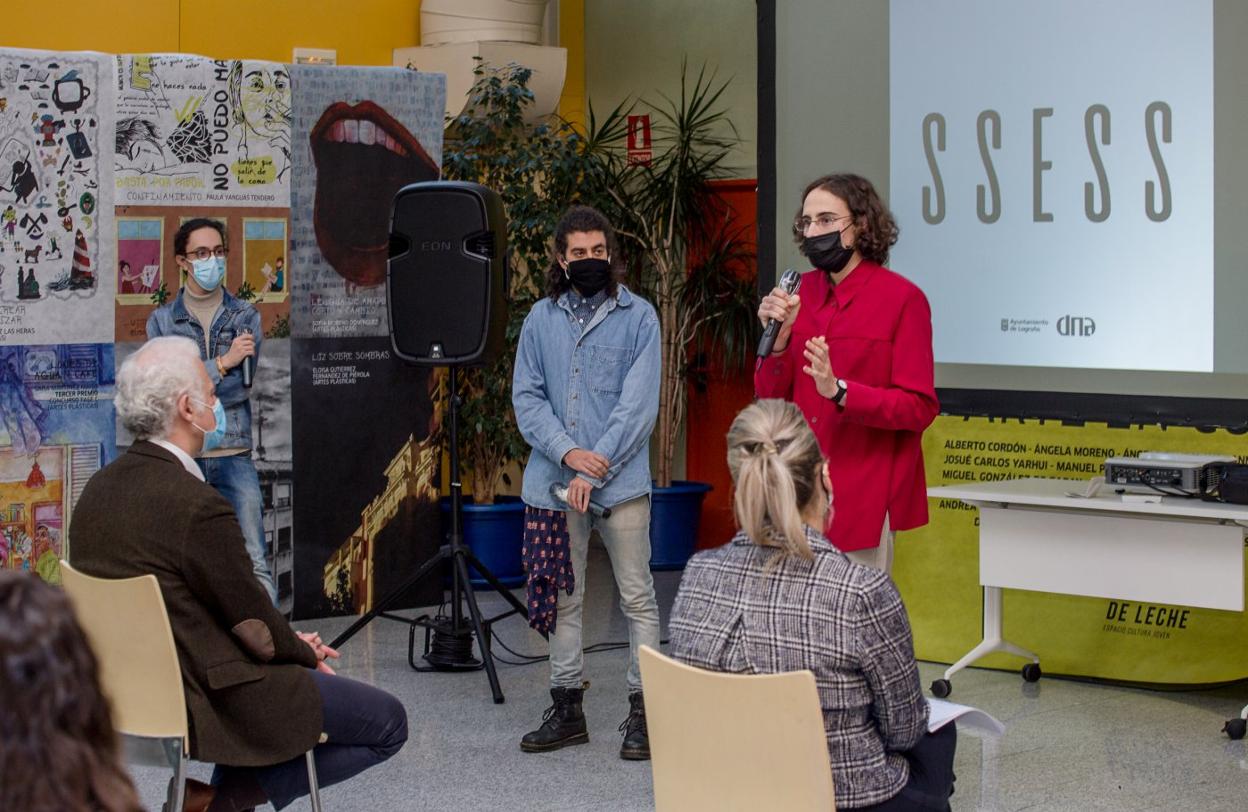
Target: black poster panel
367, 470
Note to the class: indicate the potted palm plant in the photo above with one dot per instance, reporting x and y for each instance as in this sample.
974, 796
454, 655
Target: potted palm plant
680, 254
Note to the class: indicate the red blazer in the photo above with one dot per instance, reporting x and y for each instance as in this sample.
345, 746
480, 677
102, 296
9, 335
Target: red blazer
878, 326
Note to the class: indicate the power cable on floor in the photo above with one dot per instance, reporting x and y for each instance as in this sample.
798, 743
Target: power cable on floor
531, 659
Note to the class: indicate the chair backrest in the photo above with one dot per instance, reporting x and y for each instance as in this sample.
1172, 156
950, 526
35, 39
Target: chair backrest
128, 628
732, 741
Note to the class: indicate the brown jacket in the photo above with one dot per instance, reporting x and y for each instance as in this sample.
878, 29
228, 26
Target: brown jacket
249, 692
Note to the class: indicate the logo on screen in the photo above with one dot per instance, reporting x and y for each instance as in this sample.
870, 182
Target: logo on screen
1076, 326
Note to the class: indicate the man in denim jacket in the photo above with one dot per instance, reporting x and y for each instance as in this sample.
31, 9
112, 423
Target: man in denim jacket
586, 395
233, 336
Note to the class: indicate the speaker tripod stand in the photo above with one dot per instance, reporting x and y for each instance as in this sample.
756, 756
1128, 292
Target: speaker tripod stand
451, 649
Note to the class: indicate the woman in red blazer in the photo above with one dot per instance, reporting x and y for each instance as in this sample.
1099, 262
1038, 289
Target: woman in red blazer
854, 352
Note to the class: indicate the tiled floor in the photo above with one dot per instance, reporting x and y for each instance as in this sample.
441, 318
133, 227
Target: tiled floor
1068, 746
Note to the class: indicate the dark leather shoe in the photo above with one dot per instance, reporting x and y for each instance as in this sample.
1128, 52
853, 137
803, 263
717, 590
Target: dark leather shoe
636, 744
198, 796
562, 724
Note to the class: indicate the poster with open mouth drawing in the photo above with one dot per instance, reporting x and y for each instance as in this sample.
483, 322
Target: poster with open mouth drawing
196, 131
54, 114
369, 132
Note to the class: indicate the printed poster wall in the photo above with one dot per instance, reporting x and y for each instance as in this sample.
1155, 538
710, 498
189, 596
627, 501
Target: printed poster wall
56, 233
102, 158
937, 567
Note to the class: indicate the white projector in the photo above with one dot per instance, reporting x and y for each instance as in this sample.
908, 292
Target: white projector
1160, 472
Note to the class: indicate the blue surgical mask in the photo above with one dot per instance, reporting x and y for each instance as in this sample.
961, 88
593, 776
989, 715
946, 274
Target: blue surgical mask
214, 438
208, 272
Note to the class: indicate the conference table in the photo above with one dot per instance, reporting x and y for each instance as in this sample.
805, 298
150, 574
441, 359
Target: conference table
1045, 535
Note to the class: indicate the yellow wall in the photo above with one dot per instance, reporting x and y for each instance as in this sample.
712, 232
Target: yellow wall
572, 104
92, 25
364, 32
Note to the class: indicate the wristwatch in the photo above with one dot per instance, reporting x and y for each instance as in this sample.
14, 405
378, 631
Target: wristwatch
838, 397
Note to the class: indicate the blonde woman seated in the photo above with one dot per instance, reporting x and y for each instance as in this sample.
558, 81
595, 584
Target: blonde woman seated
780, 597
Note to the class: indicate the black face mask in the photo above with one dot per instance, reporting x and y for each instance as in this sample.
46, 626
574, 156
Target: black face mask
826, 251
589, 275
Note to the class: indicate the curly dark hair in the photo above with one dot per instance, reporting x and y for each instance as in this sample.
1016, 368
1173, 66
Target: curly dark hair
582, 219
877, 230
58, 750
183, 235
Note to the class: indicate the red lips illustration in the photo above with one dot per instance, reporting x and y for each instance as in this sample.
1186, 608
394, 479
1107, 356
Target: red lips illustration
362, 156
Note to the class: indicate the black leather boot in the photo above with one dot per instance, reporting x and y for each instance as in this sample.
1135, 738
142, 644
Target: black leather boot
636, 746
563, 723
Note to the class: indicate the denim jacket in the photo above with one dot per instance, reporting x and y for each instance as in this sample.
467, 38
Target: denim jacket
234, 317
596, 389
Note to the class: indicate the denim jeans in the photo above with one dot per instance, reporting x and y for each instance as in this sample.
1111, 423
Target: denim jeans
626, 535
235, 478
363, 727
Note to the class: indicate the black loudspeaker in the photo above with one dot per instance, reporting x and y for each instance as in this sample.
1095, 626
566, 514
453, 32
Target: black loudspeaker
446, 281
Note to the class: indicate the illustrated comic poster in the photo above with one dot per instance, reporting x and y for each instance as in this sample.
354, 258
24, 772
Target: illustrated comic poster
363, 133
55, 236
196, 131
256, 268
56, 430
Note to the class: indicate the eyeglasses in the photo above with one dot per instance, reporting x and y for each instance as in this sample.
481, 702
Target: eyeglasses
220, 252
825, 220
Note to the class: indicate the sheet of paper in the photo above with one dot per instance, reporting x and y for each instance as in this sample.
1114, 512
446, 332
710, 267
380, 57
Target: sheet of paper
970, 720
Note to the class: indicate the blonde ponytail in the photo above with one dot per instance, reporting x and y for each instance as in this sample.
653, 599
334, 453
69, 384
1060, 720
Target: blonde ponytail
775, 461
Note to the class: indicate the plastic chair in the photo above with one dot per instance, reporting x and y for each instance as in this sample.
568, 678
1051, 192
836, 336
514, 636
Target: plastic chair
733, 741
126, 623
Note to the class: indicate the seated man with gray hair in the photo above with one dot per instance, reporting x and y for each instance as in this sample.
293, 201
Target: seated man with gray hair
258, 693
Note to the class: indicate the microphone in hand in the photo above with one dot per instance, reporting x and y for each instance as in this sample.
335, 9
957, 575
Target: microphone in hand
560, 492
788, 282
249, 369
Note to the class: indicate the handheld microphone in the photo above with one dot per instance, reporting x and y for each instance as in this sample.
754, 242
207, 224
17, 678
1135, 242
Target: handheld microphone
560, 492
249, 370
788, 282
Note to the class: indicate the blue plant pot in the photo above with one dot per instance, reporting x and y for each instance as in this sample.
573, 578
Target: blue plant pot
495, 534
675, 513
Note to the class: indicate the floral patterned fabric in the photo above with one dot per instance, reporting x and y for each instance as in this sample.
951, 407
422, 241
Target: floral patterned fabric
548, 561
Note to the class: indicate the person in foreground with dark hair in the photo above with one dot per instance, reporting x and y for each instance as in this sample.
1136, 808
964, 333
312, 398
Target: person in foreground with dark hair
258, 694
780, 598
227, 332
58, 749
854, 352
586, 394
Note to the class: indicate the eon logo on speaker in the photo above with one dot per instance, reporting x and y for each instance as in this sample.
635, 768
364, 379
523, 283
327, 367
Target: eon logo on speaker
1076, 326
437, 245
